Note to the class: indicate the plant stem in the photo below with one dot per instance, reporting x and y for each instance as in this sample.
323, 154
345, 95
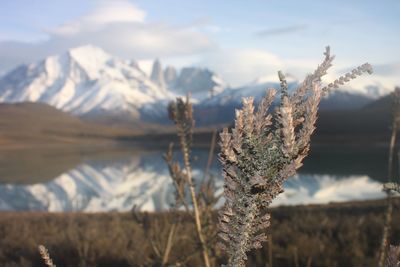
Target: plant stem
169, 244
391, 151
210, 154
388, 219
192, 190
270, 255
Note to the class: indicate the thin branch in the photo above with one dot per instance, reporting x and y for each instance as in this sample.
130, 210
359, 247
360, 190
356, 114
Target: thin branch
168, 247
182, 114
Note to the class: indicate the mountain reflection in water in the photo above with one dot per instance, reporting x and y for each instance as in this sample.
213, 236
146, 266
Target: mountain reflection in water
141, 179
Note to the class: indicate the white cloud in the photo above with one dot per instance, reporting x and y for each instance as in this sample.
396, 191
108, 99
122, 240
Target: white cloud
240, 66
116, 11
383, 80
118, 27
281, 30
388, 69
106, 12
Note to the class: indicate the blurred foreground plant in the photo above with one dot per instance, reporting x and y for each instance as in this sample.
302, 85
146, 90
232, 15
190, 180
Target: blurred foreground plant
202, 200
262, 151
390, 186
44, 253
393, 257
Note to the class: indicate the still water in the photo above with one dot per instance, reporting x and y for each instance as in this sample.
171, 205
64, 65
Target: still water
118, 179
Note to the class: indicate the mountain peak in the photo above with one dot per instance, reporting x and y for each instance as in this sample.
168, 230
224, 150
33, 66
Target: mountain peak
85, 80
170, 74
157, 74
89, 56
201, 82
87, 49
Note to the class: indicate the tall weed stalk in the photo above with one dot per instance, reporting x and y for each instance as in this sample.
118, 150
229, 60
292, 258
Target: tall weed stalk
181, 113
389, 255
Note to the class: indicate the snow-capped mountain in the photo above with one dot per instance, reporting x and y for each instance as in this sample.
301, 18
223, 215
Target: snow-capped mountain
157, 74
202, 84
85, 80
88, 82
170, 75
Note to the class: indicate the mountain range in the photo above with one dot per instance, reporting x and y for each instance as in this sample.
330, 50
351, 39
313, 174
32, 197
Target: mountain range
89, 83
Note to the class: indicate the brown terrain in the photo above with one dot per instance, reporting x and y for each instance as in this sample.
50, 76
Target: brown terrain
28, 124
333, 235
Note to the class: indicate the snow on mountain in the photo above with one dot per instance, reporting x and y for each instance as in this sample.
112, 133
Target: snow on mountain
157, 74
84, 80
202, 83
170, 75
90, 83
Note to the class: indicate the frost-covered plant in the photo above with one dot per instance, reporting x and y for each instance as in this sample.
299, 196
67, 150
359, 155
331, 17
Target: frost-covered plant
393, 257
262, 151
44, 253
389, 186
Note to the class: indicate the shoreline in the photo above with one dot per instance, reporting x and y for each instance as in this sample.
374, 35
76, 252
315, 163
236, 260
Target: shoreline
362, 204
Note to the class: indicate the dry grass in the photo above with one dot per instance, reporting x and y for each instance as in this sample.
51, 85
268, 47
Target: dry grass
333, 235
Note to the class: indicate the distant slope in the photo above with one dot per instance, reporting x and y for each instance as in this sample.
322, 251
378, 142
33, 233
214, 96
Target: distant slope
381, 104
28, 123
344, 100
367, 124
221, 108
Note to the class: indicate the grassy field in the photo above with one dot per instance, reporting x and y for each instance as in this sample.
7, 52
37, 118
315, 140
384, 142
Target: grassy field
346, 234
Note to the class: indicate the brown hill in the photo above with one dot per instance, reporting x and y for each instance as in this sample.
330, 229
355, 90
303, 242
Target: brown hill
28, 123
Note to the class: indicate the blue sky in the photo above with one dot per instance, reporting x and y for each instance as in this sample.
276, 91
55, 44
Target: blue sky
241, 40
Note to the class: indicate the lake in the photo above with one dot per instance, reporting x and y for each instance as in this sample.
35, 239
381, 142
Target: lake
119, 178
